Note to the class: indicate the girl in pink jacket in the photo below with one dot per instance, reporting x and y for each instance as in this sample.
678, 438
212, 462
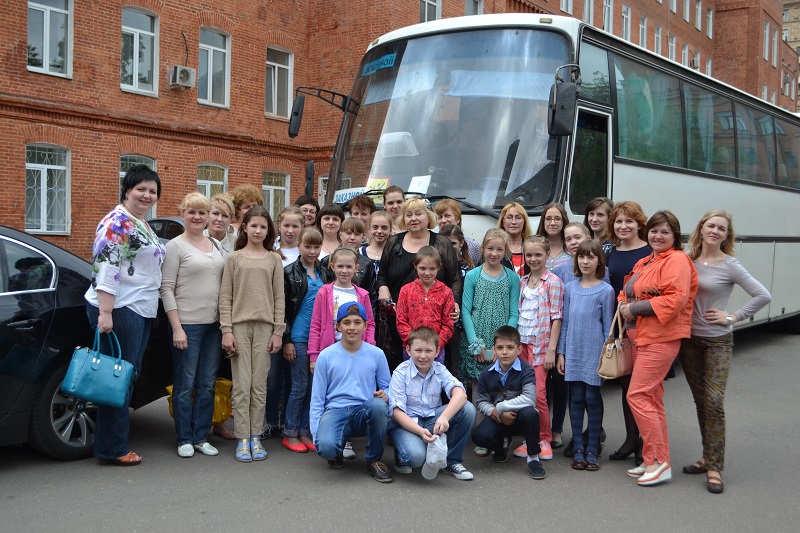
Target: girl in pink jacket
322, 334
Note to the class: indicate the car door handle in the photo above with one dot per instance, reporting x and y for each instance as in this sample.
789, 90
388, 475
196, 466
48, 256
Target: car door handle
25, 325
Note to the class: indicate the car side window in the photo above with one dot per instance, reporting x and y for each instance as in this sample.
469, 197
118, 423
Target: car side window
157, 226
173, 230
25, 269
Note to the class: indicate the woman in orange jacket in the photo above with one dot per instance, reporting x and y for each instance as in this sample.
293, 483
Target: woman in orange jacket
656, 303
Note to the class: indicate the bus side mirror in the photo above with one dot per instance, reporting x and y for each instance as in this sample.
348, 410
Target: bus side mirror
297, 115
562, 106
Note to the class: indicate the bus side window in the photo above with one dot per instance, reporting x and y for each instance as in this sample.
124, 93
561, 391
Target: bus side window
594, 74
589, 177
788, 171
755, 132
710, 131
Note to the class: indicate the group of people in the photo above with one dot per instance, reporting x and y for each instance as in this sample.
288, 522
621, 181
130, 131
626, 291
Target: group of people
337, 327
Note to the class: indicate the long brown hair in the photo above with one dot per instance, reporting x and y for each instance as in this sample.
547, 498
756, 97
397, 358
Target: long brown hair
451, 230
269, 241
564, 220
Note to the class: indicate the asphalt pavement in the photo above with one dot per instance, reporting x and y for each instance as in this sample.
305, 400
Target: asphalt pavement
299, 492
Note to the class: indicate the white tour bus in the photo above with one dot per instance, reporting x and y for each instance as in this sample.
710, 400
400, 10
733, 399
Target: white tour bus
458, 108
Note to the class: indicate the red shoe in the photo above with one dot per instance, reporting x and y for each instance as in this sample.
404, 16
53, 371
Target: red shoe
309, 446
298, 448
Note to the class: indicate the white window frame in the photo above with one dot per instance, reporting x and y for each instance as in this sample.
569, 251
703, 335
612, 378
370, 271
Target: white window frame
786, 15
141, 160
268, 191
608, 16
785, 34
710, 23
626, 22
473, 7
42, 169
698, 15
136, 33
209, 49
423, 15
45, 53
685, 55
203, 184
687, 9
673, 6
764, 92
566, 6
775, 47
708, 67
696, 60
657, 44
588, 12
766, 43
643, 32
772, 97
671, 47
280, 113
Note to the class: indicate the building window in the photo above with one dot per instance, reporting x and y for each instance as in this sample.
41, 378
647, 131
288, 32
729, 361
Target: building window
588, 12
710, 23
671, 47
46, 189
685, 55
764, 92
275, 190
430, 10
643, 32
766, 43
566, 6
626, 22
673, 6
473, 7
49, 36
785, 34
786, 15
708, 67
126, 162
698, 15
213, 69
772, 97
775, 47
686, 9
696, 61
657, 40
137, 64
212, 179
608, 15
279, 82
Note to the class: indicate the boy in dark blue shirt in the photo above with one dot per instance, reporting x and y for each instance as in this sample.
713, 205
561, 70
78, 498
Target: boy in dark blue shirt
507, 398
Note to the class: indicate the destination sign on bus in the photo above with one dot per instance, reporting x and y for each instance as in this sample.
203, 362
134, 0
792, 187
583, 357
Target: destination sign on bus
372, 67
345, 195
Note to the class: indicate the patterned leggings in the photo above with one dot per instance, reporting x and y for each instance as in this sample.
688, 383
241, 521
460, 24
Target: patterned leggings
706, 362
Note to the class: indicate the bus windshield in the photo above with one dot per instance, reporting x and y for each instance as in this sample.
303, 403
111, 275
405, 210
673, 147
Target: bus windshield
457, 114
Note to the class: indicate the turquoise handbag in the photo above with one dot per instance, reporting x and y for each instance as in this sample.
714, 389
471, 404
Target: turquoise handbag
97, 377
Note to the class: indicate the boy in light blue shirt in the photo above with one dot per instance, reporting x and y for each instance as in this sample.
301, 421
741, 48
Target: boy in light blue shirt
418, 416
348, 397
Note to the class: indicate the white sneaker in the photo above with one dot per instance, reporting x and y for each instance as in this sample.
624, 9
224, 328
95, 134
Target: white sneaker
348, 452
206, 449
458, 471
185, 450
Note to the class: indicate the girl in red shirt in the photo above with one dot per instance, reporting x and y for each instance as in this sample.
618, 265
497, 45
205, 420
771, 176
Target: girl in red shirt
426, 301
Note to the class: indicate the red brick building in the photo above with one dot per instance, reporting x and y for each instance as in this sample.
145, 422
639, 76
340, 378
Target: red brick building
87, 88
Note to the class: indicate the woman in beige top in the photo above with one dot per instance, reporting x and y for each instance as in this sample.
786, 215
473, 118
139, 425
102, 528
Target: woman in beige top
191, 278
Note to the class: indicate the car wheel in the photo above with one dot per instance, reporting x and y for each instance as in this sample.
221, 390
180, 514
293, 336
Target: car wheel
61, 425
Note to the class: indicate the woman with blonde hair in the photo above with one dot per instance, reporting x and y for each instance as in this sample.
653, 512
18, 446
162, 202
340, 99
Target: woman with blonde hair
706, 355
219, 221
397, 265
191, 278
514, 221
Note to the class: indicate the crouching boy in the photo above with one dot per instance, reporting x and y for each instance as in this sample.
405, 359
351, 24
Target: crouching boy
507, 397
418, 416
348, 397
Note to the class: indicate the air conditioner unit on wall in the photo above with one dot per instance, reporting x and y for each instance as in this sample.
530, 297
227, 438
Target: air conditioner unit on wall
182, 77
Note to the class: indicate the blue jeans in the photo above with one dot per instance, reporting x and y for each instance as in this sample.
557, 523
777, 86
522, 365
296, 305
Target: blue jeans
113, 423
337, 426
588, 397
410, 449
278, 386
299, 404
195, 369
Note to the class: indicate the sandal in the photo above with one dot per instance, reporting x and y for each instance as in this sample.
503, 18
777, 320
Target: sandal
578, 463
257, 451
714, 483
129, 459
243, 451
592, 462
697, 467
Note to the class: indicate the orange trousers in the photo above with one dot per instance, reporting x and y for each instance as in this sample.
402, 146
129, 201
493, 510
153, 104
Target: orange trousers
545, 432
646, 395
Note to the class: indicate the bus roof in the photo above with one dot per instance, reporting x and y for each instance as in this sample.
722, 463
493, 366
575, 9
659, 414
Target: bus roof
569, 25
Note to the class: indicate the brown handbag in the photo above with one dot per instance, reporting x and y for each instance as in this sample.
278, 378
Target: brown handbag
616, 358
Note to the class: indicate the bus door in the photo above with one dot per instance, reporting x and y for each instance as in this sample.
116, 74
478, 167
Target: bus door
590, 173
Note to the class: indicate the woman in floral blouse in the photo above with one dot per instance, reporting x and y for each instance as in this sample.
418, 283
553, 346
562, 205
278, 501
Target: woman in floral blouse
126, 278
